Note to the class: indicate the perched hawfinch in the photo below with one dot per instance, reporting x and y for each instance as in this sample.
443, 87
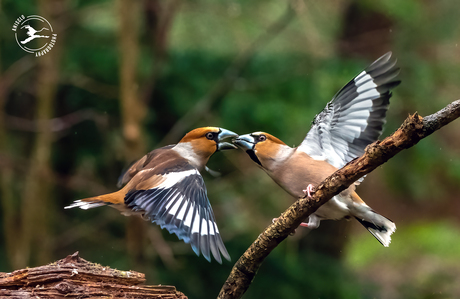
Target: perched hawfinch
352, 120
166, 187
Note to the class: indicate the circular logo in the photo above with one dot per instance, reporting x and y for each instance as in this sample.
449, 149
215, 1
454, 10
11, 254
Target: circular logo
34, 34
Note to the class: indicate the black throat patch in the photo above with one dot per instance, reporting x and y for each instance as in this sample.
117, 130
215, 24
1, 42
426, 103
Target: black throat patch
253, 156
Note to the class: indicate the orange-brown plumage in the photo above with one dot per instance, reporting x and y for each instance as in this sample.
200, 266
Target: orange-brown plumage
115, 198
353, 119
198, 133
165, 186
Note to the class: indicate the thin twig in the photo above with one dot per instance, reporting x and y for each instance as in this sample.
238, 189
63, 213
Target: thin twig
225, 84
93, 86
57, 124
13, 73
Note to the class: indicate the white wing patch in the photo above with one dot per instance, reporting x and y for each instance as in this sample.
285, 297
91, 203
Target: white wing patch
179, 204
355, 116
173, 178
364, 82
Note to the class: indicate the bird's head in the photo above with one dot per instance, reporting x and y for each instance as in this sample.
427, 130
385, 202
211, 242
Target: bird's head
263, 148
203, 142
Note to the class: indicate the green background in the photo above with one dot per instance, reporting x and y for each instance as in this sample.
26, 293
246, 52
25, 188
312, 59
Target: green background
63, 137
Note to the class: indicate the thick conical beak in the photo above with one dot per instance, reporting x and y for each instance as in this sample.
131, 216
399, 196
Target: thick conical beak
245, 142
224, 134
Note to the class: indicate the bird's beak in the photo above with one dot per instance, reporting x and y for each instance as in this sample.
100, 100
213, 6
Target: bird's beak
224, 134
245, 142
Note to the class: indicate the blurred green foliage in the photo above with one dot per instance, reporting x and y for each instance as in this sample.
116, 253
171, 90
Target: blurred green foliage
280, 90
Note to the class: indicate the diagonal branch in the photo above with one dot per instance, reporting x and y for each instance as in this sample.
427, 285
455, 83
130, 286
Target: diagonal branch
414, 129
225, 84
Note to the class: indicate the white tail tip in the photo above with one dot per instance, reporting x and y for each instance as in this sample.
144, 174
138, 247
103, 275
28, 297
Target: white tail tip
85, 205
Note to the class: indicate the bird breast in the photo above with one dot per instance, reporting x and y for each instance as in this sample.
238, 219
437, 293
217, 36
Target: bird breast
298, 171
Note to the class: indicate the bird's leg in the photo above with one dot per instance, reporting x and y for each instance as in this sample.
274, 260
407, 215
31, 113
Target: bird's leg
308, 191
313, 222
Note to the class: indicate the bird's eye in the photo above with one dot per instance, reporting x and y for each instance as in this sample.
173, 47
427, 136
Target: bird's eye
262, 138
210, 135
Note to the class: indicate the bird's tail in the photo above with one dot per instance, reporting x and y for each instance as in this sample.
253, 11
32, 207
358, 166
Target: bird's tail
115, 198
379, 226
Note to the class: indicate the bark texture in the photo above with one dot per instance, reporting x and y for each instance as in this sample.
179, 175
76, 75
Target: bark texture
414, 129
74, 277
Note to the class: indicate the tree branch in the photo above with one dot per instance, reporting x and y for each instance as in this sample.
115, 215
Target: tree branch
414, 129
57, 124
225, 84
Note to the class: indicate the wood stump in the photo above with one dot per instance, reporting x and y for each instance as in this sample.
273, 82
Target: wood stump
74, 277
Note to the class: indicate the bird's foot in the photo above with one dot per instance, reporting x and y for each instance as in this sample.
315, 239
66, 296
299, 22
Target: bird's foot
313, 222
308, 191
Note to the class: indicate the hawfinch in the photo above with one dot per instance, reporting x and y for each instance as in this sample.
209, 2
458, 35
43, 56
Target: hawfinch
166, 187
352, 120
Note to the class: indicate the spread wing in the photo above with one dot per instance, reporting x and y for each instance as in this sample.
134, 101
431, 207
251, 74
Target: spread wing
355, 116
177, 201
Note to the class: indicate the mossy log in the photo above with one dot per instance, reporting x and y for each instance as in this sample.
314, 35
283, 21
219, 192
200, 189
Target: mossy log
74, 277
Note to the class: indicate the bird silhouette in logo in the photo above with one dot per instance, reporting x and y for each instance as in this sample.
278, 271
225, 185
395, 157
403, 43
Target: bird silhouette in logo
32, 33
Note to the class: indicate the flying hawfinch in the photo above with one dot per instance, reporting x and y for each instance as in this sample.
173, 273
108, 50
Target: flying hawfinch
352, 120
166, 187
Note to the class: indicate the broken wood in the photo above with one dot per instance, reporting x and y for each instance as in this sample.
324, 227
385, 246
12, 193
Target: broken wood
74, 277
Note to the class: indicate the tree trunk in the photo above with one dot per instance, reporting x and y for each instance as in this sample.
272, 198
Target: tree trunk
133, 111
37, 198
6, 174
